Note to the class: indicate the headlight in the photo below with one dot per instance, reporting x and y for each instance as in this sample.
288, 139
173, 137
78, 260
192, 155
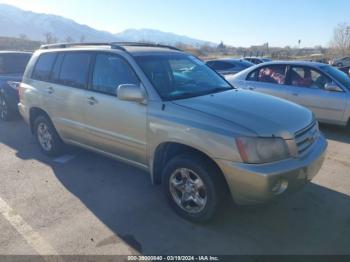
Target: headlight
262, 150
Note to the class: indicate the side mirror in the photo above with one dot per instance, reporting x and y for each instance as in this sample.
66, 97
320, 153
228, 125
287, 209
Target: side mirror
130, 92
332, 87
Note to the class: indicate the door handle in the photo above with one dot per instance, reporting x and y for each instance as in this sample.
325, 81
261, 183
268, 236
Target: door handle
92, 100
50, 90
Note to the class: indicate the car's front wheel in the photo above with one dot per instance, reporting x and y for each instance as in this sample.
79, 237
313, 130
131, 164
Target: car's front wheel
45, 133
5, 112
193, 187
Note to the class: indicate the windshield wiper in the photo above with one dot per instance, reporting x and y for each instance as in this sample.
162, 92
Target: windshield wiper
184, 95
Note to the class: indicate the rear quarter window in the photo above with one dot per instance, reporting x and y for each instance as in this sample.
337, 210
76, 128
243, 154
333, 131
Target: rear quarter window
43, 67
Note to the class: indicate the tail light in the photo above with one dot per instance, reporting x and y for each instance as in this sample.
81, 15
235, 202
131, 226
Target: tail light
20, 91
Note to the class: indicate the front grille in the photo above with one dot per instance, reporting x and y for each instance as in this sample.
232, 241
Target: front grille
306, 137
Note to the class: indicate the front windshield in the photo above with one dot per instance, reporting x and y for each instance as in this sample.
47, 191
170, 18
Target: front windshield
340, 76
177, 76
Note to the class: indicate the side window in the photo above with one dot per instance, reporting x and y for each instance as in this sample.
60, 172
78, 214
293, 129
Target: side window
307, 77
55, 73
253, 76
13, 63
110, 71
42, 69
274, 74
74, 69
220, 65
225, 66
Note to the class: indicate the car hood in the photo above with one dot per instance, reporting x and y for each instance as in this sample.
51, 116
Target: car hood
263, 114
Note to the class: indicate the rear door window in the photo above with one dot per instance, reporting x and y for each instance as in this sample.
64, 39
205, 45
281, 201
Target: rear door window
43, 66
55, 74
75, 68
274, 74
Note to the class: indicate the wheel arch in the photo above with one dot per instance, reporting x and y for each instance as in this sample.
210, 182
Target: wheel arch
34, 112
167, 150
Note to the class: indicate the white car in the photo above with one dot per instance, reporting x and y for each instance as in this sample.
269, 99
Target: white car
322, 88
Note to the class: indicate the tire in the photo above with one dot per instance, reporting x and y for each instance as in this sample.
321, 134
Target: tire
46, 136
210, 196
6, 113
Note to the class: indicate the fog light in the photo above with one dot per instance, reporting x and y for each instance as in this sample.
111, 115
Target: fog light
279, 186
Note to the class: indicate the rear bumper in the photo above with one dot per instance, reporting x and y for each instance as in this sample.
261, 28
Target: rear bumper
252, 184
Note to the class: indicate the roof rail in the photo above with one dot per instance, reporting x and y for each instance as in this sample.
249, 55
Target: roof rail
67, 45
146, 45
113, 45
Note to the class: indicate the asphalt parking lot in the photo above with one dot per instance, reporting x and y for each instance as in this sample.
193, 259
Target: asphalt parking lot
89, 204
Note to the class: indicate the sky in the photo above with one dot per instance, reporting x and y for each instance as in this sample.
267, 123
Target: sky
235, 22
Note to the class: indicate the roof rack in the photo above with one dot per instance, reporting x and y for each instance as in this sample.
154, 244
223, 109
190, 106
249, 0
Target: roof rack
146, 45
67, 45
113, 45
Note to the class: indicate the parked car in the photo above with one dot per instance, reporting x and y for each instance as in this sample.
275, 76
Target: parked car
345, 69
165, 111
322, 88
12, 66
341, 62
257, 60
228, 66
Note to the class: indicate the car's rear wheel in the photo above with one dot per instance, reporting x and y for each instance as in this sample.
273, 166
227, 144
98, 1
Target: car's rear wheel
5, 111
45, 133
193, 187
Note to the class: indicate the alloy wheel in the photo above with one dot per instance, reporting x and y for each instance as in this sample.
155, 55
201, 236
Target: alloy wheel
44, 136
188, 190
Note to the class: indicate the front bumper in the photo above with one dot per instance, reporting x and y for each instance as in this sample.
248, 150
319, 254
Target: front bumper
252, 184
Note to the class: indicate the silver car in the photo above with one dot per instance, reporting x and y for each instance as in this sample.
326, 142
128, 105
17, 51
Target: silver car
341, 62
257, 60
166, 112
228, 66
322, 88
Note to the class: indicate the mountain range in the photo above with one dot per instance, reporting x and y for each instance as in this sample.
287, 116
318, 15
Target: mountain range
15, 22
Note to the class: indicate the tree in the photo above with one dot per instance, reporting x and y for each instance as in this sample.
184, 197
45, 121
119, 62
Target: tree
341, 39
50, 39
82, 38
69, 39
221, 47
23, 37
